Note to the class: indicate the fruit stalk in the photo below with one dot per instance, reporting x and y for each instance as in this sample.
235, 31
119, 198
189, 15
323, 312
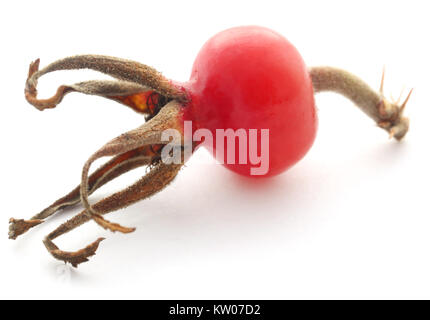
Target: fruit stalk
387, 114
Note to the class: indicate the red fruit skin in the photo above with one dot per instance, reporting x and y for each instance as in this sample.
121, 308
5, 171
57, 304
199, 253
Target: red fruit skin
253, 78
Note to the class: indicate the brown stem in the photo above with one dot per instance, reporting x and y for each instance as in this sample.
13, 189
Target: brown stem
388, 115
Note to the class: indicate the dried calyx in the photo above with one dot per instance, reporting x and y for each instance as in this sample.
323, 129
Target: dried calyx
147, 92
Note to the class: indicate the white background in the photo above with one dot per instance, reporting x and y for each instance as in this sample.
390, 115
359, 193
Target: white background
351, 220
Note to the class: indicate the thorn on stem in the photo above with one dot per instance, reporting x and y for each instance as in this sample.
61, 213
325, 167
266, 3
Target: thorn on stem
400, 95
381, 87
402, 107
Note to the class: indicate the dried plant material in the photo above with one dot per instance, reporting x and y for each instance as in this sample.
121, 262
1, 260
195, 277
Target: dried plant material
158, 177
109, 171
146, 102
20, 226
148, 134
74, 258
110, 225
387, 114
163, 105
144, 90
135, 77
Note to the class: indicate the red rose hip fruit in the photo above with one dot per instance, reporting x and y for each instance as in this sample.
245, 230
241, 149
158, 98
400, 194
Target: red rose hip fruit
253, 78
247, 83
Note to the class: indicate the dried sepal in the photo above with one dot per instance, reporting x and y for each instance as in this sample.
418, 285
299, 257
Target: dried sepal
146, 102
148, 134
146, 91
134, 78
74, 258
114, 227
107, 172
18, 227
159, 176
140, 98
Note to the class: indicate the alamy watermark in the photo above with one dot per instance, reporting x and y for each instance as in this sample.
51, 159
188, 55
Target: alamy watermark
243, 146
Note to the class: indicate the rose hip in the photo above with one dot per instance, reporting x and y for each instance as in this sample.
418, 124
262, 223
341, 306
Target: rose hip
243, 79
